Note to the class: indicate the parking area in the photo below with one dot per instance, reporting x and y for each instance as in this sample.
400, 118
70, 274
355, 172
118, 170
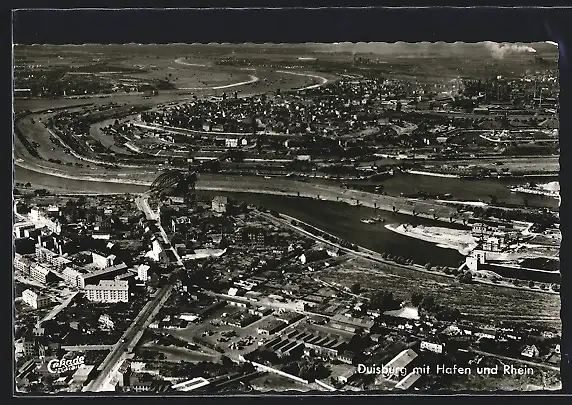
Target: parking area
216, 334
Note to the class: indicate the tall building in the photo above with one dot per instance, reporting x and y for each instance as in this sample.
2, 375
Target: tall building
143, 272
108, 291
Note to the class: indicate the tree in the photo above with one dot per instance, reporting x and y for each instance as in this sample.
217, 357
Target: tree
531, 284
356, 288
555, 287
384, 301
428, 303
465, 277
416, 299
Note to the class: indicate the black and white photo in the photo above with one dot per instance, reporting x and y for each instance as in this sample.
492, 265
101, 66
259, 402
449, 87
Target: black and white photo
254, 218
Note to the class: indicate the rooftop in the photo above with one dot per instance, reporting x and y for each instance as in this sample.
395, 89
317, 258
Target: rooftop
402, 359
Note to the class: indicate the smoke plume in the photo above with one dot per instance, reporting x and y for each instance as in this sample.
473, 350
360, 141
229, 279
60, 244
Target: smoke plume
499, 51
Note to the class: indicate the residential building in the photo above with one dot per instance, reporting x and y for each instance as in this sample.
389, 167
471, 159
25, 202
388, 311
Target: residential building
35, 300
346, 357
219, 204
109, 291
108, 273
231, 143
143, 272
252, 236
43, 254
30, 347
22, 263
74, 276
42, 274
103, 261
287, 317
59, 262
432, 346
347, 375
106, 321
139, 382
22, 229
493, 244
261, 311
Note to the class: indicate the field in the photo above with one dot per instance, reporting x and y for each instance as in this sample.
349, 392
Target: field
184, 67
483, 301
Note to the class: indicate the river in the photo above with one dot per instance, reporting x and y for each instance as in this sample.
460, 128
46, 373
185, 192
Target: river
339, 219
344, 221
466, 190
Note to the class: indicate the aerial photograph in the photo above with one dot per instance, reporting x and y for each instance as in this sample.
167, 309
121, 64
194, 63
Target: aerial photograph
250, 219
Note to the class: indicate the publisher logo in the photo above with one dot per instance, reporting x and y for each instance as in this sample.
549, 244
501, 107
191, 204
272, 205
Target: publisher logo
57, 366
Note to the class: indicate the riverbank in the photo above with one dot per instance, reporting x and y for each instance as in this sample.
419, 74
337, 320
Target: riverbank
461, 241
367, 254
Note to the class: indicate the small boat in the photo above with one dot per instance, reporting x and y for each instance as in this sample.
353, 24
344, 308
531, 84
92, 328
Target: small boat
373, 220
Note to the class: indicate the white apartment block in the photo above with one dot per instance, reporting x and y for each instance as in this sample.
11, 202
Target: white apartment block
39, 273
143, 272
21, 263
34, 300
108, 291
44, 255
101, 261
74, 277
